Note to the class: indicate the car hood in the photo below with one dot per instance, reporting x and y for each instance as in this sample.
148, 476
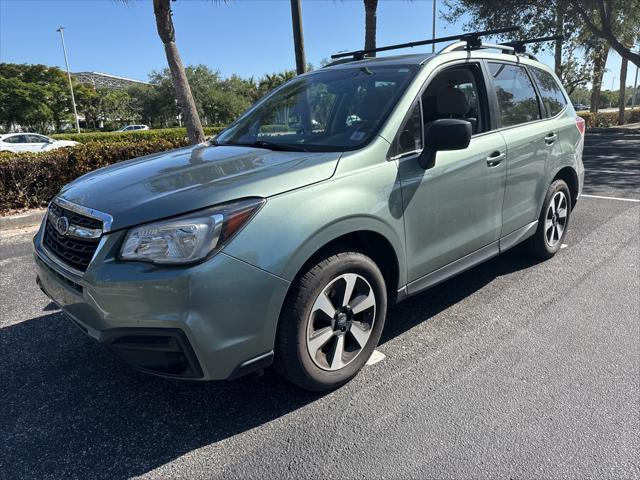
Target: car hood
178, 181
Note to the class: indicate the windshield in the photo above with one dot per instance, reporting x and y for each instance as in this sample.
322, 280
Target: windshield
328, 110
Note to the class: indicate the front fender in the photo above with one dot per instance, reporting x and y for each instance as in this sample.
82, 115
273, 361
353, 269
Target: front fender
293, 226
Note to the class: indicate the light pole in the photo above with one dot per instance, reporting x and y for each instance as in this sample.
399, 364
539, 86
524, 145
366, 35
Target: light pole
635, 88
433, 27
613, 80
66, 62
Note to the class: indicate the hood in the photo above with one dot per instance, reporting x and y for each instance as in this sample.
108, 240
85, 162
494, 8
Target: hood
179, 181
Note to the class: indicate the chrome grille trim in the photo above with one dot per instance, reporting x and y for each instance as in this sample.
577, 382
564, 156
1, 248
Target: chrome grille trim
105, 218
76, 230
82, 233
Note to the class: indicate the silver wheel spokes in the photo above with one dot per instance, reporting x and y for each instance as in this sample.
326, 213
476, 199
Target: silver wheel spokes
556, 219
341, 321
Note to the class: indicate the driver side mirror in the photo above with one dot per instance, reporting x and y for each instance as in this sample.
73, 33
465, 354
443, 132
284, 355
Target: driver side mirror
444, 134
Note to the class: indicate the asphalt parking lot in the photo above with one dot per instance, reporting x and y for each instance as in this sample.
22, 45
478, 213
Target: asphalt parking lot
513, 369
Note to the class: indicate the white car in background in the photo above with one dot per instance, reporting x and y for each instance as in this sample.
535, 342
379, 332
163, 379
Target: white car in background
31, 142
132, 128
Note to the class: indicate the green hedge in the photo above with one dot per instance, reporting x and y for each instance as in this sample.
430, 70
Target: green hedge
170, 134
608, 119
31, 180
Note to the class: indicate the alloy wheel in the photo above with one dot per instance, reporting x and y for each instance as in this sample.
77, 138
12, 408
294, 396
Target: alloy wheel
556, 219
341, 321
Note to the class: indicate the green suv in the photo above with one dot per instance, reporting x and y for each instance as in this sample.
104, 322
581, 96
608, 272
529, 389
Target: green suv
285, 240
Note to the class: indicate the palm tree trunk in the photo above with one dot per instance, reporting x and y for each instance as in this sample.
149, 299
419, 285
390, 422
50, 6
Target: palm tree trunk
622, 99
298, 37
558, 43
599, 63
370, 20
166, 31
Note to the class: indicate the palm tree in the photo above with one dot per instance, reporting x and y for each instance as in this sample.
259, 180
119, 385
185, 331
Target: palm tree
166, 31
370, 19
298, 37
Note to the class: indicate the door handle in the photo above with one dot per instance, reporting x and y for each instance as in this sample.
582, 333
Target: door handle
495, 159
550, 138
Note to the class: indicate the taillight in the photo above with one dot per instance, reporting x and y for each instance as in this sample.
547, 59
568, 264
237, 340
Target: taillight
580, 125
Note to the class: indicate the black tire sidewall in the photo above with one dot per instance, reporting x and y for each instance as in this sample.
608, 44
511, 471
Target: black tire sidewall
300, 368
544, 249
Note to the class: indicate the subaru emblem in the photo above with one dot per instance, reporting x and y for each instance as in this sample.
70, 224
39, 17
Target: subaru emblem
62, 225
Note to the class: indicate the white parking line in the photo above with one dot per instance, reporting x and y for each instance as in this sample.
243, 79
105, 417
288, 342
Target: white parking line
376, 357
635, 200
601, 170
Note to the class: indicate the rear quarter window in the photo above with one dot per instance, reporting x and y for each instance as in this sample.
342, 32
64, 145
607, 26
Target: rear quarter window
551, 93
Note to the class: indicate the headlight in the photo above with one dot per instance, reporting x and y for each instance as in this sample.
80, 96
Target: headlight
188, 238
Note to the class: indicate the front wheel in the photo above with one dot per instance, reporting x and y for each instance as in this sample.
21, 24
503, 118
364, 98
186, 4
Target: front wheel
331, 321
553, 221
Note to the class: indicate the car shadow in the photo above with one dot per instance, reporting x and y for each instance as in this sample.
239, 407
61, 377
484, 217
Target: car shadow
70, 409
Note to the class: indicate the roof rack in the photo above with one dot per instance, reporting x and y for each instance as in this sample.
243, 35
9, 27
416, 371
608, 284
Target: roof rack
471, 41
519, 45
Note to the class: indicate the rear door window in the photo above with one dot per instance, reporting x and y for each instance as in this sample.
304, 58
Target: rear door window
552, 97
517, 97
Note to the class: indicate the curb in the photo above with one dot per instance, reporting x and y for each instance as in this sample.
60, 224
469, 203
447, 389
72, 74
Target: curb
21, 220
627, 128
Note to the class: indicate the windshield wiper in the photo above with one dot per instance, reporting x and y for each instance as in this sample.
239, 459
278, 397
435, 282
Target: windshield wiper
277, 146
280, 147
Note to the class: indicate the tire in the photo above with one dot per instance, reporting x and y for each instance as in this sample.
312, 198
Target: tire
553, 221
309, 337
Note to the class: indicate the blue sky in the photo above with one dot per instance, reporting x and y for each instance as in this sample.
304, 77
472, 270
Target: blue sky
247, 37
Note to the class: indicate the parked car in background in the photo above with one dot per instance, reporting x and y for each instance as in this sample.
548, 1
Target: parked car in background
31, 142
581, 107
132, 128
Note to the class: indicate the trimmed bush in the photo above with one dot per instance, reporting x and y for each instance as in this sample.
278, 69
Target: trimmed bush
31, 180
608, 119
171, 134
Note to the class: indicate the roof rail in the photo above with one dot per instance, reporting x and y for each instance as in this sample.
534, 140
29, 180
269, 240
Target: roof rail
519, 45
463, 46
471, 40
503, 47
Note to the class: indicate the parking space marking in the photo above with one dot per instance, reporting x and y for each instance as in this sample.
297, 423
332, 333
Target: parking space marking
376, 357
564, 245
616, 172
635, 200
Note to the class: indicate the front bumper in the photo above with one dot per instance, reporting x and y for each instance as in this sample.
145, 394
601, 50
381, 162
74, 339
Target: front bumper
209, 321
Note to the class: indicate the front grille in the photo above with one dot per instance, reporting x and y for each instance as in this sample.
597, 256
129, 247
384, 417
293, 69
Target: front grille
75, 252
75, 218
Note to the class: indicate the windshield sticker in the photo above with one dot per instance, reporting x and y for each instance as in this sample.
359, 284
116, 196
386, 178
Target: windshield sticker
357, 136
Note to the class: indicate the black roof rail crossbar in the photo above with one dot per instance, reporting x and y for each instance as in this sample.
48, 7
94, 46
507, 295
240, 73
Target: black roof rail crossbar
519, 45
472, 39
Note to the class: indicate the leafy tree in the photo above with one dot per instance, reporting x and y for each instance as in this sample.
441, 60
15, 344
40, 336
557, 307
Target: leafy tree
88, 104
608, 20
614, 21
34, 96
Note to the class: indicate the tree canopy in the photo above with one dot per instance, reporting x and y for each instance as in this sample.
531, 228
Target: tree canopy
36, 97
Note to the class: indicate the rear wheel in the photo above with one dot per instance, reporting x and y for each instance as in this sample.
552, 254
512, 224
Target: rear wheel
553, 221
331, 321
